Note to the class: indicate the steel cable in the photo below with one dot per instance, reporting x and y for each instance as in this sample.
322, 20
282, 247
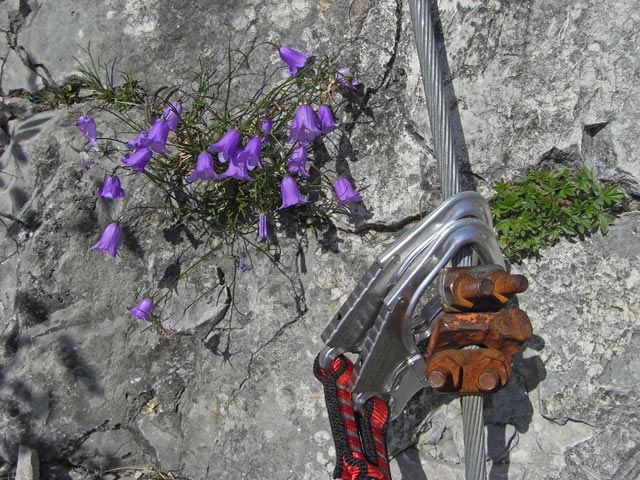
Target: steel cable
438, 109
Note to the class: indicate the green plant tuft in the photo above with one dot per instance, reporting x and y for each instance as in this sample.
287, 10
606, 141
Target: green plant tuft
52, 96
535, 211
122, 93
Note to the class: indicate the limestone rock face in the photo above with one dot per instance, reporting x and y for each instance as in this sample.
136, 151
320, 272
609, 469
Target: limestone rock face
230, 388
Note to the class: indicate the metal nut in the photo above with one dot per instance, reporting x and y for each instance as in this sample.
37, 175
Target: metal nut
488, 381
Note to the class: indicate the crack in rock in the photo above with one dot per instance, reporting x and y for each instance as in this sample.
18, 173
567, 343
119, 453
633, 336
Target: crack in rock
74, 445
179, 395
370, 92
562, 421
36, 68
17, 19
387, 227
388, 67
273, 338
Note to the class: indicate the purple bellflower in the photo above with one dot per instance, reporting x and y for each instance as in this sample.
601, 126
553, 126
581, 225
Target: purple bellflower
238, 170
242, 263
87, 126
297, 162
250, 154
109, 240
139, 160
305, 126
143, 309
267, 125
290, 194
345, 78
325, 118
86, 162
111, 188
172, 114
204, 169
293, 58
157, 136
262, 226
345, 192
138, 142
227, 146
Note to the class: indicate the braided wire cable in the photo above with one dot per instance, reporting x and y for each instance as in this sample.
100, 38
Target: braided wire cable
438, 109
436, 103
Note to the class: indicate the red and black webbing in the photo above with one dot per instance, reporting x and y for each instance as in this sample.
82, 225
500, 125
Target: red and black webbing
361, 451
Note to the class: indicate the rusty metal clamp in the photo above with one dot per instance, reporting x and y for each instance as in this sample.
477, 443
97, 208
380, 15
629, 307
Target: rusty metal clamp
473, 302
452, 369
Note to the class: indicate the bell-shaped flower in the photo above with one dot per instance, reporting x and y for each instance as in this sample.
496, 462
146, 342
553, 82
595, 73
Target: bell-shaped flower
325, 119
290, 193
87, 126
305, 126
143, 309
86, 162
157, 136
109, 240
139, 160
238, 170
172, 114
138, 142
250, 154
293, 58
242, 263
204, 169
267, 125
111, 187
262, 226
345, 77
297, 162
345, 192
227, 146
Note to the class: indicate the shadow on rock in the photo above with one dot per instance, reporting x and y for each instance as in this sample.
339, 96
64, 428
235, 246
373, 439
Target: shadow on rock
512, 406
330, 241
69, 355
409, 464
131, 242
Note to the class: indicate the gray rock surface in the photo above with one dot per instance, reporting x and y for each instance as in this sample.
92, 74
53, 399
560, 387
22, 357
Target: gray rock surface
231, 388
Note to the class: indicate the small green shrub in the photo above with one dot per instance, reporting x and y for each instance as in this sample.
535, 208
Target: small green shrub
535, 211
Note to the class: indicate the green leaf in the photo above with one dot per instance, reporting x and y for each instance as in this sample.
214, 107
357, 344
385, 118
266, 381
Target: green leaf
604, 220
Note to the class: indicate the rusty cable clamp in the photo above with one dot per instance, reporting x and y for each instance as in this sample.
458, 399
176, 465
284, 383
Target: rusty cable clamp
398, 352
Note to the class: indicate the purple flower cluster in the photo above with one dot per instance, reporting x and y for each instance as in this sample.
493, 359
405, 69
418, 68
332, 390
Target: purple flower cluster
154, 140
236, 153
240, 160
